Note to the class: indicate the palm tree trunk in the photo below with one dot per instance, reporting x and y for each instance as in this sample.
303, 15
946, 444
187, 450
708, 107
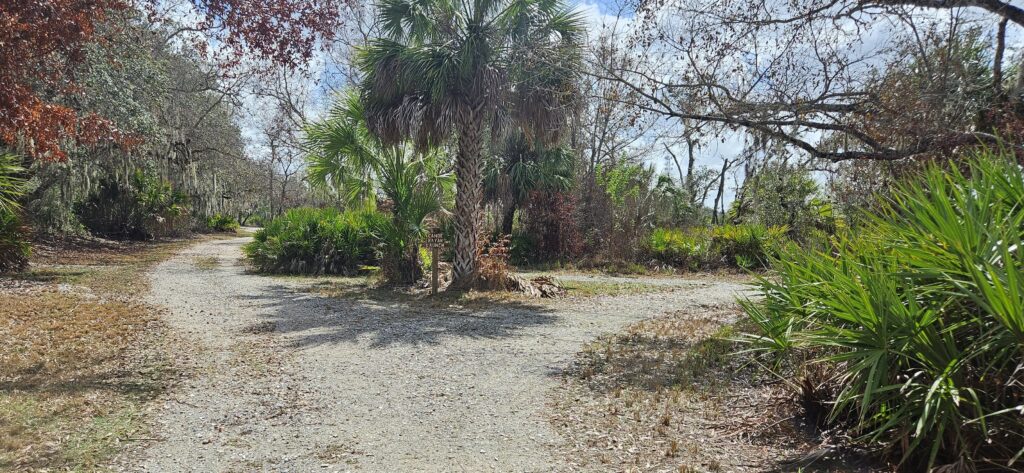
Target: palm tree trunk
508, 218
468, 182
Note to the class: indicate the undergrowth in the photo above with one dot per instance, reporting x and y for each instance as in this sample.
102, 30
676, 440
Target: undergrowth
316, 241
912, 325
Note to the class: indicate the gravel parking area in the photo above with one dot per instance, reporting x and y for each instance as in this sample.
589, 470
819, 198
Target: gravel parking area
282, 379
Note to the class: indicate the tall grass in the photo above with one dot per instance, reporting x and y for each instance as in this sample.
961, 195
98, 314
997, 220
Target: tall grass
316, 241
919, 318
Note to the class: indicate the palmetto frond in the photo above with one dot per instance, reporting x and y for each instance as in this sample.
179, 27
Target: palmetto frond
518, 59
345, 159
341, 153
12, 182
520, 168
406, 91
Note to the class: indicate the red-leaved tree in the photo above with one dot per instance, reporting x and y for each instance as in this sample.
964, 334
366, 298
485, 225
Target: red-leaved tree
41, 42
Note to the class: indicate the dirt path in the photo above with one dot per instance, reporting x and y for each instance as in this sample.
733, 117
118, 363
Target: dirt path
288, 381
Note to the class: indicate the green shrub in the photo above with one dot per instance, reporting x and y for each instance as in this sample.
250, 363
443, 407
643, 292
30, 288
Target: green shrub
524, 248
782, 193
690, 249
14, 236
14, 246
919, 318
316, 241
255, 221
747, 246
698, 248
139, 208
222, 223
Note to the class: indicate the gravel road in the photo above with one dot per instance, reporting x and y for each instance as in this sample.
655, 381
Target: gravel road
285, 380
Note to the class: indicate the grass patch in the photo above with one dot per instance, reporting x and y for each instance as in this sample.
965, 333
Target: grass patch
78, 363
605, 288
371, 288
106, 268
206, 263
611, 268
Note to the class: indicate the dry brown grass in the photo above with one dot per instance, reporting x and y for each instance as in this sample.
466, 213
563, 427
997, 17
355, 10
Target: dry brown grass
574, 288
206, 263
105, 267
368, 288
670, 394
78, 355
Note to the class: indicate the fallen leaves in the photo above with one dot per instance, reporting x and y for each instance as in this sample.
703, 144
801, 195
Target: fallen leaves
76, 356
668, 394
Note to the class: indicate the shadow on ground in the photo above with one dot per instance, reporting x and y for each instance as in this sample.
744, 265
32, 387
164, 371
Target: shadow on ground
312, 320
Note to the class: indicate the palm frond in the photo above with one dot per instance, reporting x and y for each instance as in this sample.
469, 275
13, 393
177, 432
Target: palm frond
519, 59
12, 182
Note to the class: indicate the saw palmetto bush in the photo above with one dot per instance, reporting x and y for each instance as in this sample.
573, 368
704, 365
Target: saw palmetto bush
688, 249
747, 246
919, 314
411, 184
14, 235
316, 241
222, 223
743, 246
141, 207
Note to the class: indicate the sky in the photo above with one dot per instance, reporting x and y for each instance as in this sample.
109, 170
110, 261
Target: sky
598, 14
602, 14
730, 144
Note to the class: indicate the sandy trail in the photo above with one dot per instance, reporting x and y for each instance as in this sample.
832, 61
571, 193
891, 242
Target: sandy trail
284, 380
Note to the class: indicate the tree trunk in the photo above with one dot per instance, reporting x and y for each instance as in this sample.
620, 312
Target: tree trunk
468, 185
679, 167
691, 160
403, 267
719, 196
508, 218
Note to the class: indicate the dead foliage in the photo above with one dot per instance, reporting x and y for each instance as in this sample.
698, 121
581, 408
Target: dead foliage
671, 394
106, 267
496, 274
78, 355
542, 286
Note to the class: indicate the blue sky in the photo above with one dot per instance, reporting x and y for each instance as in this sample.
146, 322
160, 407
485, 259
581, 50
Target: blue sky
726, 145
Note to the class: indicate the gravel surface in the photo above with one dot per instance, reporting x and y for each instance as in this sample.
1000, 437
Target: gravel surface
284, 380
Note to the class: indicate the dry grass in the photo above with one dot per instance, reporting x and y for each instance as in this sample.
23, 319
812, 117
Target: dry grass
602, 288
77, 355
611, 268
370, 288
670, 394
104, 267
206, 263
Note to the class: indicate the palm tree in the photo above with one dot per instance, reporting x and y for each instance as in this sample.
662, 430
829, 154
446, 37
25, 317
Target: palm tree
519, 169
346, 160
469, 69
